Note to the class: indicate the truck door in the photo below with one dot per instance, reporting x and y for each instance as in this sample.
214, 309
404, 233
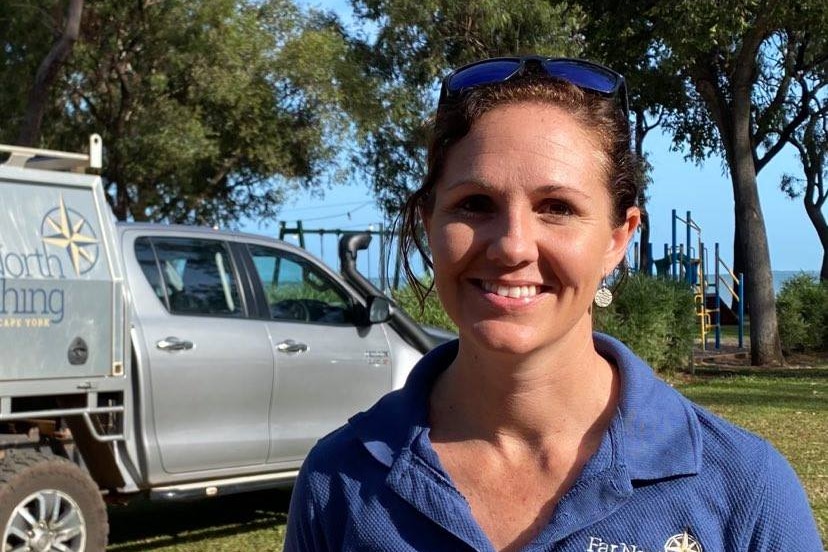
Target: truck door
210, 366
327, 366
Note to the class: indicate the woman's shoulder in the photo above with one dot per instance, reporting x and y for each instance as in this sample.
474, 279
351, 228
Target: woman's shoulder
737, 453
743, 458
725, 433
752, 472
663, 425
737, 471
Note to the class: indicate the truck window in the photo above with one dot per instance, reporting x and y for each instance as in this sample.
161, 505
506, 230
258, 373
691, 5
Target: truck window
297, 291
149, 265
190, 275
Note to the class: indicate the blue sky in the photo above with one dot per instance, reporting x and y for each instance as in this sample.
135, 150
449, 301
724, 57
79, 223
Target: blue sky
677, 184
707, 192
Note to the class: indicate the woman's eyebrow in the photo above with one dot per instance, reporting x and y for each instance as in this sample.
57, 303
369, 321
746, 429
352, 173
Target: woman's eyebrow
558, 188
473, 182
483, 185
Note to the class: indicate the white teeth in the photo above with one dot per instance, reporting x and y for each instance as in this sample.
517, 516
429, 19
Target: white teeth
515, 292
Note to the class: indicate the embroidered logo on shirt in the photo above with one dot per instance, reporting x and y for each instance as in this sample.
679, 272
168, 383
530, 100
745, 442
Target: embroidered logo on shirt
682, 542
598, 545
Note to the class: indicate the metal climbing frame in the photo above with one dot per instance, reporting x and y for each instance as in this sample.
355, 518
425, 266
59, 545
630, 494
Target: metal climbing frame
693, 270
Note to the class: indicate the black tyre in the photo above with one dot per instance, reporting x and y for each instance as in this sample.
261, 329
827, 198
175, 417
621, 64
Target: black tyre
49, 504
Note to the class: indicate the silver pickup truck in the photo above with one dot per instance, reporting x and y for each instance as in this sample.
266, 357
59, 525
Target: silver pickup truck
167, 361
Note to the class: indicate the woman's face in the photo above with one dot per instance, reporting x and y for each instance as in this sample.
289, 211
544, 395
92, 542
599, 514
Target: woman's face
521, 231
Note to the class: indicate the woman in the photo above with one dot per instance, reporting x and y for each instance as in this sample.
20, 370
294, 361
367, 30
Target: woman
530, 432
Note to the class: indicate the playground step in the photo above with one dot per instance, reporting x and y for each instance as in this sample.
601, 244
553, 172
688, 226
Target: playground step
727, 316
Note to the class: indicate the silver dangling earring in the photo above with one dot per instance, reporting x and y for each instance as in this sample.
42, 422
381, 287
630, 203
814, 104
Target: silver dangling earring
603, 297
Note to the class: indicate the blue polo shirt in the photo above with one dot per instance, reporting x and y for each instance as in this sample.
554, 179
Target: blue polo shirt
668, 476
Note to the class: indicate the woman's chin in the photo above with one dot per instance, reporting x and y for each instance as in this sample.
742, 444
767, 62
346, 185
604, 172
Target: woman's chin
504, 337
511, 337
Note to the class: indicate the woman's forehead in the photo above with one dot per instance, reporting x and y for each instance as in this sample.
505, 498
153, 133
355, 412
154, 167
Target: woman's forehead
525, 138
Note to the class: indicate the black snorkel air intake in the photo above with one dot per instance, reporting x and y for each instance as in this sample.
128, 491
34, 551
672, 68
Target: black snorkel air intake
349, 246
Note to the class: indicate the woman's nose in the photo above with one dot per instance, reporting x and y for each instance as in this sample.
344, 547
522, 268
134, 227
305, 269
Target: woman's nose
512, 239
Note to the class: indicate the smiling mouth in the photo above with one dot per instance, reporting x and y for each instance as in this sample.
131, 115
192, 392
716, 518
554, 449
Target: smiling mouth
514, 292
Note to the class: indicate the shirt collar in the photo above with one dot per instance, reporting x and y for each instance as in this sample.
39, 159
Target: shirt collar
661, 434
660, 430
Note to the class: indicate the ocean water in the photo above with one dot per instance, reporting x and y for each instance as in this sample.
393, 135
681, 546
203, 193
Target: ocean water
779, 278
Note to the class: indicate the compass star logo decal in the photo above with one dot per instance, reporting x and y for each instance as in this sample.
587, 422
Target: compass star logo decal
682, 542
67, 229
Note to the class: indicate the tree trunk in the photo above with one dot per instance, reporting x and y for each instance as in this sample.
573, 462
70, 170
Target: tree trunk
120, 201
765, 346
644, 260
47, 73
738, 260
641, 130
821, 227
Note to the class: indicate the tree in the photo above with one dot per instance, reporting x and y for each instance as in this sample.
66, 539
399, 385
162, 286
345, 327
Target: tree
811, 142
204, 116
415, 44
621, 35
737, 95
737, 61
19, 57
725, 95
47, 72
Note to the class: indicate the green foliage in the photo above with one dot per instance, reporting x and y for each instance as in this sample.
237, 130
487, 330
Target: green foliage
20, 59
802, 310
301, 290
430, 314
749, 71
655, 317
414, 43
210, 110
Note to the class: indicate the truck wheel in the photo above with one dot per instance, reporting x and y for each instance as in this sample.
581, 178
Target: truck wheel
49, 504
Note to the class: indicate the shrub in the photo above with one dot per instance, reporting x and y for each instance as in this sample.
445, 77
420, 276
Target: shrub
655, 317
431, 314
802, 312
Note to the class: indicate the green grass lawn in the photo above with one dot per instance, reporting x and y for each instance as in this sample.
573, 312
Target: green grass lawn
789, 408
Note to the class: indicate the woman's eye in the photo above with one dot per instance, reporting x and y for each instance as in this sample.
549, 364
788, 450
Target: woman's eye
559, 208
475, 204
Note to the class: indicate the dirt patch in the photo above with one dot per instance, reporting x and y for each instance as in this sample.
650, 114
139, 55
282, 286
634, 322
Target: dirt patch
731, 356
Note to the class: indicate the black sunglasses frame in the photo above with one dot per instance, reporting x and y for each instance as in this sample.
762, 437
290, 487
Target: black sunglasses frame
543, 65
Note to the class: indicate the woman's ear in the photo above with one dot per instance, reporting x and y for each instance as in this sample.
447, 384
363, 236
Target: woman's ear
621, 236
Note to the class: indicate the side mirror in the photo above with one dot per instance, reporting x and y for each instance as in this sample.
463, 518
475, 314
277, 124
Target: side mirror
379, 309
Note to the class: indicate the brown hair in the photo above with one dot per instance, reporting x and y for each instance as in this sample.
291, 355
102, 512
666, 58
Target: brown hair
455, 118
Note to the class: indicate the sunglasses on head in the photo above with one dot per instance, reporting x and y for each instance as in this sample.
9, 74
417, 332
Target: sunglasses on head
584, 74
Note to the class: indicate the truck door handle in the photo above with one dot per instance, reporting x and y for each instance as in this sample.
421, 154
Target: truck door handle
291, 346
174, 344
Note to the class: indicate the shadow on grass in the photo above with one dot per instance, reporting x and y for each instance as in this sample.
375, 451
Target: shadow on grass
809, 394
784, 373
769, 400
167, 523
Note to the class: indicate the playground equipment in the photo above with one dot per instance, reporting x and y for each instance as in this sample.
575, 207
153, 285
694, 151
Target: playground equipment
689, 262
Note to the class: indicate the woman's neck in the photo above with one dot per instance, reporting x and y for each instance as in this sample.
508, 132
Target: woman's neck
558, 394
